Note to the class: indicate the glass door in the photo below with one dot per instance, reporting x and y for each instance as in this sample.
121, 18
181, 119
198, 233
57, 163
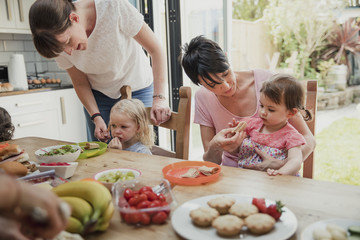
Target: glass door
175, 23
207, 18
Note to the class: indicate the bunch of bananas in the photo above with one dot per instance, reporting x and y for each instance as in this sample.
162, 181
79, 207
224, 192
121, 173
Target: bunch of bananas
92, 208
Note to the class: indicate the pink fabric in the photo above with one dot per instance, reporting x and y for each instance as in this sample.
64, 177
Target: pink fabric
211, 113
275, 144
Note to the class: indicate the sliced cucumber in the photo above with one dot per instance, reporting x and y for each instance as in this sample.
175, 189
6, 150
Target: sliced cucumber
354, 230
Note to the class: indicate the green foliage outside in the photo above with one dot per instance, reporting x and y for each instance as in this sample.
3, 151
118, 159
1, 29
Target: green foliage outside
337, 153
249, 10
303, 26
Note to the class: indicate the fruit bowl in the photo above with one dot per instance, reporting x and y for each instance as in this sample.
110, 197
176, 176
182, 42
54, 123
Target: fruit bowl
143, 202
63, 170
110, 176
58, 153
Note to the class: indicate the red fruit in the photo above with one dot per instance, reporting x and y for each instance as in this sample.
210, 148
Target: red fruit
260, 204
144, 219
134, 200
143, 204
128, 193
151, 195
142, 197
275, 210
145, 189
127, 218
135, 217
165, 204
159, 218
155, 203
162, 197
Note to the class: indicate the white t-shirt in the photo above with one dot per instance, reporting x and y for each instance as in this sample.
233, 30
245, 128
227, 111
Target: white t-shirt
113, 58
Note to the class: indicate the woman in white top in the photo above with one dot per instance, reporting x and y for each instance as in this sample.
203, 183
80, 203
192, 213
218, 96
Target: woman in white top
100, 44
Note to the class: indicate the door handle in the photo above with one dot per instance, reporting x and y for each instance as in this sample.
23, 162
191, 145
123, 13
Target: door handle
27, 104
21, 10
63, 112
9, 10
28, 124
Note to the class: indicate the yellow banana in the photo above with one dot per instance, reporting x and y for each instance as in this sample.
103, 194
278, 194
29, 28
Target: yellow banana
95, 193
74, 226
81, 209
104, 220
102, 227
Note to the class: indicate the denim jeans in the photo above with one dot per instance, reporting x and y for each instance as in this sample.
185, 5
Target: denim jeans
105, 104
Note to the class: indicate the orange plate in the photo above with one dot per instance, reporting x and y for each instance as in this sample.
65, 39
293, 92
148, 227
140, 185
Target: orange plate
172, 172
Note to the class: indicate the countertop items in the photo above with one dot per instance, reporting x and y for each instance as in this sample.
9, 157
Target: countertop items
11, 93
17, 72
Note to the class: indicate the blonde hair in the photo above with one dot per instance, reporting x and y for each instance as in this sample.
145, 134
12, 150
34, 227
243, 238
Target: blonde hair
136, 111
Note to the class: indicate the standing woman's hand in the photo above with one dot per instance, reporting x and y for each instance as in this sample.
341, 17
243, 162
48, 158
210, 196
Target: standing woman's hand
160, 111
101, 130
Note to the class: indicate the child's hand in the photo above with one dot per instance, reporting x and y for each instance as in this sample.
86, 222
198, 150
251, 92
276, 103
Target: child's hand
273, 172
234, 123
115, 143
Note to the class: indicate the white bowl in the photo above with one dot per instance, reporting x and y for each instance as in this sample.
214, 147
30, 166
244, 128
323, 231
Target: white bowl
61, 171
68, 157
109, 185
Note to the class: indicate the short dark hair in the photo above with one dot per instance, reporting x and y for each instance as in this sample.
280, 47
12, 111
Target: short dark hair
47, 19
284, 88
201, 57
6, 127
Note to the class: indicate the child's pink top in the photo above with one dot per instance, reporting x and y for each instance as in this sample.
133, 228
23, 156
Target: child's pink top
274, 144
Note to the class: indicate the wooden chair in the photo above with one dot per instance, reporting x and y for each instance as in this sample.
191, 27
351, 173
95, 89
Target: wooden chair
179, 122
311, 104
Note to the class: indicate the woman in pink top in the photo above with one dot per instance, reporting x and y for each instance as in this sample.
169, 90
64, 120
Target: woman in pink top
227, 95
281, 98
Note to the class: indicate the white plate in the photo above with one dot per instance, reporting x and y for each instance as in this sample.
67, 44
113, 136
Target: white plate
307, 233
181, 222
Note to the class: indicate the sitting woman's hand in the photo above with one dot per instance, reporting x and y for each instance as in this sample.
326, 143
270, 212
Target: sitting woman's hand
267, 162
229, 141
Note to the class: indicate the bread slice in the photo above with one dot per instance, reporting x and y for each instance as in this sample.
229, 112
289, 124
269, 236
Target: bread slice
91, 145
9, 151
240, 127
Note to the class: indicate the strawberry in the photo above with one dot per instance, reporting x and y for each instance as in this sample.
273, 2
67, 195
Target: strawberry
275, 210
260, 204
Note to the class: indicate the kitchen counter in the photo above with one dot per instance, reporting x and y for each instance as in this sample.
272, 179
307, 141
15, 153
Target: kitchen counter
53, 112
35, 90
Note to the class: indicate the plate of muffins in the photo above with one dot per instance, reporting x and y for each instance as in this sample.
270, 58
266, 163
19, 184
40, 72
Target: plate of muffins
230, 216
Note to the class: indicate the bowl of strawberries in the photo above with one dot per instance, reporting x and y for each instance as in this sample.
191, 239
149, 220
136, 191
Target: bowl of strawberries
143, 202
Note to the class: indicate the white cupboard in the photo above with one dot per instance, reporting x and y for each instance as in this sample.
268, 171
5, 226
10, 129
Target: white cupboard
14, 16
55, 114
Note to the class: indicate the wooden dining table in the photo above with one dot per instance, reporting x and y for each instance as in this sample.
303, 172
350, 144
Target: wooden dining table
310, 200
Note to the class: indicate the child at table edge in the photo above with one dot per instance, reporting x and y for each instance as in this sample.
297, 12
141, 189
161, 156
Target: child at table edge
129, 127
282, 96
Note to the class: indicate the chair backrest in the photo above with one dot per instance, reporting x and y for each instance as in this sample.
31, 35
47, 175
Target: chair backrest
311, 104
179, 122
